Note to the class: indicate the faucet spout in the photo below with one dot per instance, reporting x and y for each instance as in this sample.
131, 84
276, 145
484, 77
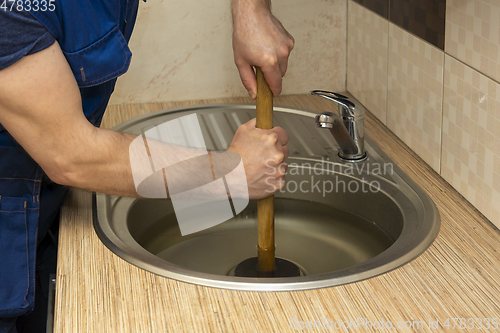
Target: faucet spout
347, 128
338, 130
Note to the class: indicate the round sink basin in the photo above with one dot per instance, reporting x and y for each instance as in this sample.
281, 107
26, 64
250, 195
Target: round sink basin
317, 237
337, 222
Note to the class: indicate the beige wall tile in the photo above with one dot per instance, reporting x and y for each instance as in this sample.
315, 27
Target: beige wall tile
471, 137
473, 34
415, 92
182, 50
367, 39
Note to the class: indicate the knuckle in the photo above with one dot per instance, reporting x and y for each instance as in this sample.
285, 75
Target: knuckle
270, 59
284, 50
272, 138
279, 157
282, 169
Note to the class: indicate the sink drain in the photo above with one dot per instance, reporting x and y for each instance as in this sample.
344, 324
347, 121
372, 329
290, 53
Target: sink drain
283, 268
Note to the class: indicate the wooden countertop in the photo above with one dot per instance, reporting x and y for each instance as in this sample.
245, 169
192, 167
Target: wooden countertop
457, 277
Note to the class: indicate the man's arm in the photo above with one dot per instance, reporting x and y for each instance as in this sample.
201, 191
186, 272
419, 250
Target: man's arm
40, 106
259, 39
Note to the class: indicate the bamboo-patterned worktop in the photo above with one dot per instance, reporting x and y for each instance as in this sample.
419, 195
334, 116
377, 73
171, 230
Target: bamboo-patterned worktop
457, 277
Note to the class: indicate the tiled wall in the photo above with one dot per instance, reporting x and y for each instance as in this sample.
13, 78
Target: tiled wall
415, 92
182, 50
437, 63
367, 36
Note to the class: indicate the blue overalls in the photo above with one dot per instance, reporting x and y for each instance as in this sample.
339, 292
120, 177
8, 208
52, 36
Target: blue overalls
93, 35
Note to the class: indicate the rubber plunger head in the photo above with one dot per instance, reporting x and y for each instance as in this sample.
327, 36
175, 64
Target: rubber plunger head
282, 268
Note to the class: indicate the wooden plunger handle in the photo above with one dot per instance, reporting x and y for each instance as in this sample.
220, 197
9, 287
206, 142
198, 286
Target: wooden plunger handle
265, 207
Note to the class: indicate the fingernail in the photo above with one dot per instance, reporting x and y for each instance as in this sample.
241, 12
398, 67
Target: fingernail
252, 94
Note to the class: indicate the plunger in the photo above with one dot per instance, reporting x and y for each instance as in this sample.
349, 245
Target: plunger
265, 264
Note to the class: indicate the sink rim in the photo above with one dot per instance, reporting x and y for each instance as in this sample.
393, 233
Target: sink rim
368, 269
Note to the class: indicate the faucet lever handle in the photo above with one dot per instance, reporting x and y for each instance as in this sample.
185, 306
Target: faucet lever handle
340, 99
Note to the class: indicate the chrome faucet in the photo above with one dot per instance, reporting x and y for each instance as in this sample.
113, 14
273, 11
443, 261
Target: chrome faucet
347, 128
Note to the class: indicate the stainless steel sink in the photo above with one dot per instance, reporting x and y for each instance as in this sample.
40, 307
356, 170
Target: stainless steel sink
338, 222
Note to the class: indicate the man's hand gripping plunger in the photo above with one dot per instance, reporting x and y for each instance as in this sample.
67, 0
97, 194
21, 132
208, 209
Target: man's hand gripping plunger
264, 154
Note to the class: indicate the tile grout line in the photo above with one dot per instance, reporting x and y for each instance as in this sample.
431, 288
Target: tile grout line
474, 69
442, 120
347, 42
387, 60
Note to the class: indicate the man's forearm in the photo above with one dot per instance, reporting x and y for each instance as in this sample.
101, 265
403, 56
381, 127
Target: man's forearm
240, 6
101, 164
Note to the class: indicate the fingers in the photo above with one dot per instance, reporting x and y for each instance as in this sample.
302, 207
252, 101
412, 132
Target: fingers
276, 67
277, 63
248, 78
273, 75
264, 154
272, 144
279, 183
278, 155
292, 44
291, 41
282, 135
276, 137
285, 153
283, 166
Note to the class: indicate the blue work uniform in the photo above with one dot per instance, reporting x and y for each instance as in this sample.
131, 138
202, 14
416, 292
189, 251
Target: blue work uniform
93, 35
